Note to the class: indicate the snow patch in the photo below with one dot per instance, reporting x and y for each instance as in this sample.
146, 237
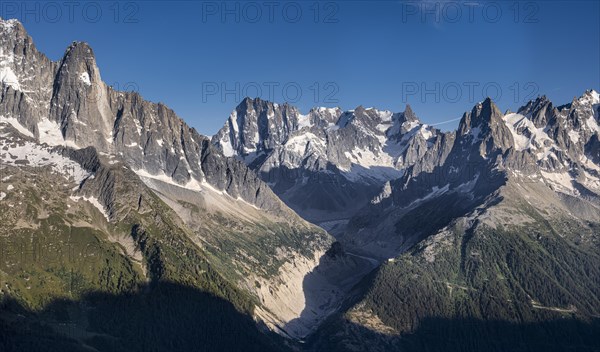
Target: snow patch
138, 127
233, 122
192, 184
50, 134
562, 182
37, 156
8, 25
85, 78
538, 139
304, 121
595, 97
15, 123
330, 111
435, 192
409, 125
574, 136
425, 132
592, 124
299, 144
8, 78
385, 115
227, 148
94, 201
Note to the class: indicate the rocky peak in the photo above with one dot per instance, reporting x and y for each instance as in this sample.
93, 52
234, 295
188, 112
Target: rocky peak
254, 105
475, 118
359, 110
324, 117
17, 52
257, 125
589, 97
485, 129
540, 111
80, 55
26, 76
66, 103
485, 113
12, 28
583, 113
80, 102
78, 69
409, 115
402, 123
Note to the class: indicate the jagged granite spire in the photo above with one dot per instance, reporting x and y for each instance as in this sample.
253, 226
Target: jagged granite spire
67, 103
328, 162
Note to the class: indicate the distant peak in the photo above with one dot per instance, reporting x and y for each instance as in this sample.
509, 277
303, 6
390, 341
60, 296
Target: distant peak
589, 97
76, 46
482, 114
409, 115
592, 95
489, 103
80, 54
253, 103
11, 25
247, 102
534, 106
540, 99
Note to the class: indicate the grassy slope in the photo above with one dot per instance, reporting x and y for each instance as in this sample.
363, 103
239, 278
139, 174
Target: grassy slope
527, 287
81, 279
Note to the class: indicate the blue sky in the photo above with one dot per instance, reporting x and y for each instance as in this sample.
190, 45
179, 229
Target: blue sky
441, 57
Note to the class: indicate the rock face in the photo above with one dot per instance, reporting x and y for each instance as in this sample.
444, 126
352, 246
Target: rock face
504, 212
329, 163
67, 103
557, 147
479, 249
26, 76
449, 207
105, 256
223, 207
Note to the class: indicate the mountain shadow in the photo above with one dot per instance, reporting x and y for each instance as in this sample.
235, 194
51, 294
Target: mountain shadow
422, 205
160, 317
320, 196
464, 335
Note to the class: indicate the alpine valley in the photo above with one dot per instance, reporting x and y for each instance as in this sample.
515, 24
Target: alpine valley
124, 229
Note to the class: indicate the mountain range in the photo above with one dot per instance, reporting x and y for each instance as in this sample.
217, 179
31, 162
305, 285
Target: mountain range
125, 229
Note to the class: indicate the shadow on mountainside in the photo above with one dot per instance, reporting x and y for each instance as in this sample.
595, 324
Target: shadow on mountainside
320, 196
161, 317
421, 206
441, 334
327, 287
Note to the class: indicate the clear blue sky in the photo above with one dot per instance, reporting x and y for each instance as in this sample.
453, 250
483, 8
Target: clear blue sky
370, 53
